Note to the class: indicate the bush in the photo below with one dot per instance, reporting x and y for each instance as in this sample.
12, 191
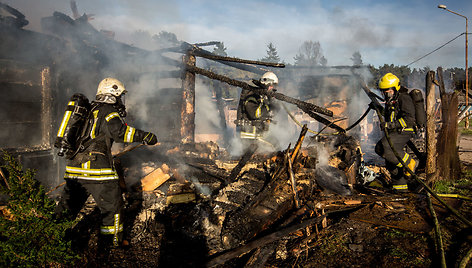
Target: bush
29, 234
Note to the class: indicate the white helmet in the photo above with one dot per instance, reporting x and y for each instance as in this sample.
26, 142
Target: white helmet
269, 78
111, 86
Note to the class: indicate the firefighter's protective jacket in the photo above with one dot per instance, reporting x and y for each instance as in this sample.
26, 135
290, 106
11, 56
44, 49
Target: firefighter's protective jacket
94, 163
254, 114
400, 119
399, 114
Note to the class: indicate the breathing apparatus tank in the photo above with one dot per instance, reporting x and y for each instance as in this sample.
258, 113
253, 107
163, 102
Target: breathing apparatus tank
420, 112
72, 125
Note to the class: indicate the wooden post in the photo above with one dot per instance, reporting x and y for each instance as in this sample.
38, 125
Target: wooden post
217, 86
431, 152
46, 115
187, 126
448, 155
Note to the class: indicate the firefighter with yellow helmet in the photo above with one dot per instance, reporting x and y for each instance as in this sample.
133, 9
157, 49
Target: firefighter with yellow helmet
91, 169
255, 112
400, 122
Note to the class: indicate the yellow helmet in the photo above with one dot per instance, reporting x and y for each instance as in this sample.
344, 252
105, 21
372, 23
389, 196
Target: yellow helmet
389, 81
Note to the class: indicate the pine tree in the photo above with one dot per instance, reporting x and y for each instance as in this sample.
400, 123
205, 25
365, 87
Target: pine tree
29, 234
220, 49
356, 58
272, 55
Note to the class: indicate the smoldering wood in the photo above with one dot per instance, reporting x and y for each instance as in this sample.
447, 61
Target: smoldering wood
293, 182
298, 145
261, 255
431, 137
270, 205
218, 174
249, 152
187, 130
262, 241
448, 156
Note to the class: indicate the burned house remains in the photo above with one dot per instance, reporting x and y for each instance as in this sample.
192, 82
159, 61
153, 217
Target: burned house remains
194, 199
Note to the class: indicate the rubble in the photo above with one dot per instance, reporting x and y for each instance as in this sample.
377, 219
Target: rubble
195, 202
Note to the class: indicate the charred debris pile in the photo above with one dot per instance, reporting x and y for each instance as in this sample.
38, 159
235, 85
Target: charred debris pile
197, 205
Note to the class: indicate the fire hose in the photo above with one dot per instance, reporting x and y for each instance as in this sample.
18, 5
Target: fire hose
335, 133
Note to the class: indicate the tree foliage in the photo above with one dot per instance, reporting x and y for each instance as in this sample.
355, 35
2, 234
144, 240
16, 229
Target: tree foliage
356, 58
29, 234
272, 55
166, 39
220, 49
310, 54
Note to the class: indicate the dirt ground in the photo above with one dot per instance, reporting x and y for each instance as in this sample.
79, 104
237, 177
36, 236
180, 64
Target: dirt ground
395, 231
465, 149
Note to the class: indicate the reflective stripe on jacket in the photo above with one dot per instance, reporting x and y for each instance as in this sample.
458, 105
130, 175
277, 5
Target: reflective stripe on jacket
95, 163
401, 112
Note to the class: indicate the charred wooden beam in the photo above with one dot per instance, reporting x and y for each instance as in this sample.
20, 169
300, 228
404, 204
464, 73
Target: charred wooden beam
217, 260
210, 43
18, 22
208, 55
187, 129
230, 61
218, 174
242, 162
261, 255
292, 180
297, 147
234, 62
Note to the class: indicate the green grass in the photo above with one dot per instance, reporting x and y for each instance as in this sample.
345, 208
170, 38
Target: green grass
448, 187
334, 245
394, 233
464, 131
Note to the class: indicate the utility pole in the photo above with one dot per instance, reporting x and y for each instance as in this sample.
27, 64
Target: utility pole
466, 60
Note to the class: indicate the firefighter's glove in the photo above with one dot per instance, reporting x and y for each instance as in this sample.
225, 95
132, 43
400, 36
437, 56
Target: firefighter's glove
149, 138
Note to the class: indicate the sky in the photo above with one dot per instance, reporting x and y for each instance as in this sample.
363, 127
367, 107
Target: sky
384, 32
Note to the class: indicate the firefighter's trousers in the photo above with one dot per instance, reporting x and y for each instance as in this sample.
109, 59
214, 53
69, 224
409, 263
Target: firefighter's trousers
106, 194
393, 165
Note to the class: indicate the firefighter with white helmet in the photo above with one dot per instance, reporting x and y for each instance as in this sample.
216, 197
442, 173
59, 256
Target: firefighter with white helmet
255, 112
91, 169
269, 79
400, 122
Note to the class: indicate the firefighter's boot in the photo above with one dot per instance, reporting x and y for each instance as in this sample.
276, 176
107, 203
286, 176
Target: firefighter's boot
400, 185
